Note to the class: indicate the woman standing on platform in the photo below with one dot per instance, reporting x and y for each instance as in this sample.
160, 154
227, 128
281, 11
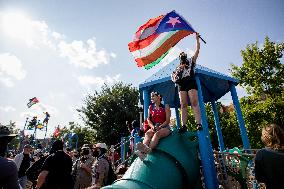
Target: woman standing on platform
188, 87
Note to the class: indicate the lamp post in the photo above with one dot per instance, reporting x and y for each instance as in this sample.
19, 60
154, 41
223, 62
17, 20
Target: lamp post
140, 106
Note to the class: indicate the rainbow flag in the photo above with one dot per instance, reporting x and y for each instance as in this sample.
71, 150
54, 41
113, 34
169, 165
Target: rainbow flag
154, 39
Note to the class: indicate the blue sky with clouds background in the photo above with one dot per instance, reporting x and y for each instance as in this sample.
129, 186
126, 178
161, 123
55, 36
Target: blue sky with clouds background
59, 51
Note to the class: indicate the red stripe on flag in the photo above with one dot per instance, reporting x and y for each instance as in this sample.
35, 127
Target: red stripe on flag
136, 45
172, 41
35, 100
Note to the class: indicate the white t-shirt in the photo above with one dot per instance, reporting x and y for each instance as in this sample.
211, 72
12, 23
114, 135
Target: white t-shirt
186, 71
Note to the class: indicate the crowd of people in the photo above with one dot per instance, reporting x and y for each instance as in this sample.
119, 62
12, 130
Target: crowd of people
92, 169
60, 168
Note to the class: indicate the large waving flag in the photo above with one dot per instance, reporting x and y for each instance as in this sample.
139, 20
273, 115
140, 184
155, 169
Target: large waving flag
32, 101
154, 39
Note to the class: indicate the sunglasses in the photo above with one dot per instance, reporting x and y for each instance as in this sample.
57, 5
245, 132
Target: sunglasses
156, 94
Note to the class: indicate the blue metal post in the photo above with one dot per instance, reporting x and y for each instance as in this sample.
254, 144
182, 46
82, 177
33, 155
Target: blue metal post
70, 140
77, 139
177, 117
217, 125
146, 98
137, 139
122, 149
205, 146
239, 116
177, 102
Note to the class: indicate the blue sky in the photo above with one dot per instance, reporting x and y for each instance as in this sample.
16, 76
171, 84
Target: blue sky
61, 50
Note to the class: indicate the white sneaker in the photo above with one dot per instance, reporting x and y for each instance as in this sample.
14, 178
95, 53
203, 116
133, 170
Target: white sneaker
143, 148
141, 155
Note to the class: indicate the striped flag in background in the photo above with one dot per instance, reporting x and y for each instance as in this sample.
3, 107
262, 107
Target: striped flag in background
154, 39
32, 101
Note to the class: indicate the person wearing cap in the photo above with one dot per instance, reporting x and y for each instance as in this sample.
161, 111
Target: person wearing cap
158, 120
23, 162
82, 168
101, 166
56, 169
8, 170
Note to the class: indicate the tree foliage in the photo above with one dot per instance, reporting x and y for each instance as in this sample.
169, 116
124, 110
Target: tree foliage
14, 144
228, 124
107, 111
260, 113
262, 70
261, 74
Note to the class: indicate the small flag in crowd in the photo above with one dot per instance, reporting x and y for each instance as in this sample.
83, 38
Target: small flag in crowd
32, 101
154, 39
56, 132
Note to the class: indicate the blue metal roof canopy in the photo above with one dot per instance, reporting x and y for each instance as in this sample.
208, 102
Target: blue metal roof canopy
214, 84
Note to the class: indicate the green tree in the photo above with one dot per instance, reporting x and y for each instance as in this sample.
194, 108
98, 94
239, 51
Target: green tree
107, 111
261, 74
262, 70
15, 143
260, 113
228, 123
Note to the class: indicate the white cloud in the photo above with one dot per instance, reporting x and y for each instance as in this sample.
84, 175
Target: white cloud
113, 55
36, 33
10, 68
57, 35
6, 81
55, 95
97, 82
33, 33
84, 55
7, 109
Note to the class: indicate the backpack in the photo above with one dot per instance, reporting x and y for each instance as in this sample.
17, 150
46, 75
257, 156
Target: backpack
177, 75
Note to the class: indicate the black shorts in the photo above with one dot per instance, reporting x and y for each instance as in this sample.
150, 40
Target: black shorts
187, 84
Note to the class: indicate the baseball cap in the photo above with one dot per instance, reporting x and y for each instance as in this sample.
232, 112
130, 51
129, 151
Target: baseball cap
101, 145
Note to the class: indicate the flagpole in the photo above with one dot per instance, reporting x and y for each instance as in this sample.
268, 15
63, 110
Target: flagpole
202, 39
45, 131
26, 123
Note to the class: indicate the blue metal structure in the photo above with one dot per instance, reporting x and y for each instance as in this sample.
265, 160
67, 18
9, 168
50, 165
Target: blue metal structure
212, 85
70, 137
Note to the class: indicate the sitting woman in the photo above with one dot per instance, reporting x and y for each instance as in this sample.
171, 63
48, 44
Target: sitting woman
158, 120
